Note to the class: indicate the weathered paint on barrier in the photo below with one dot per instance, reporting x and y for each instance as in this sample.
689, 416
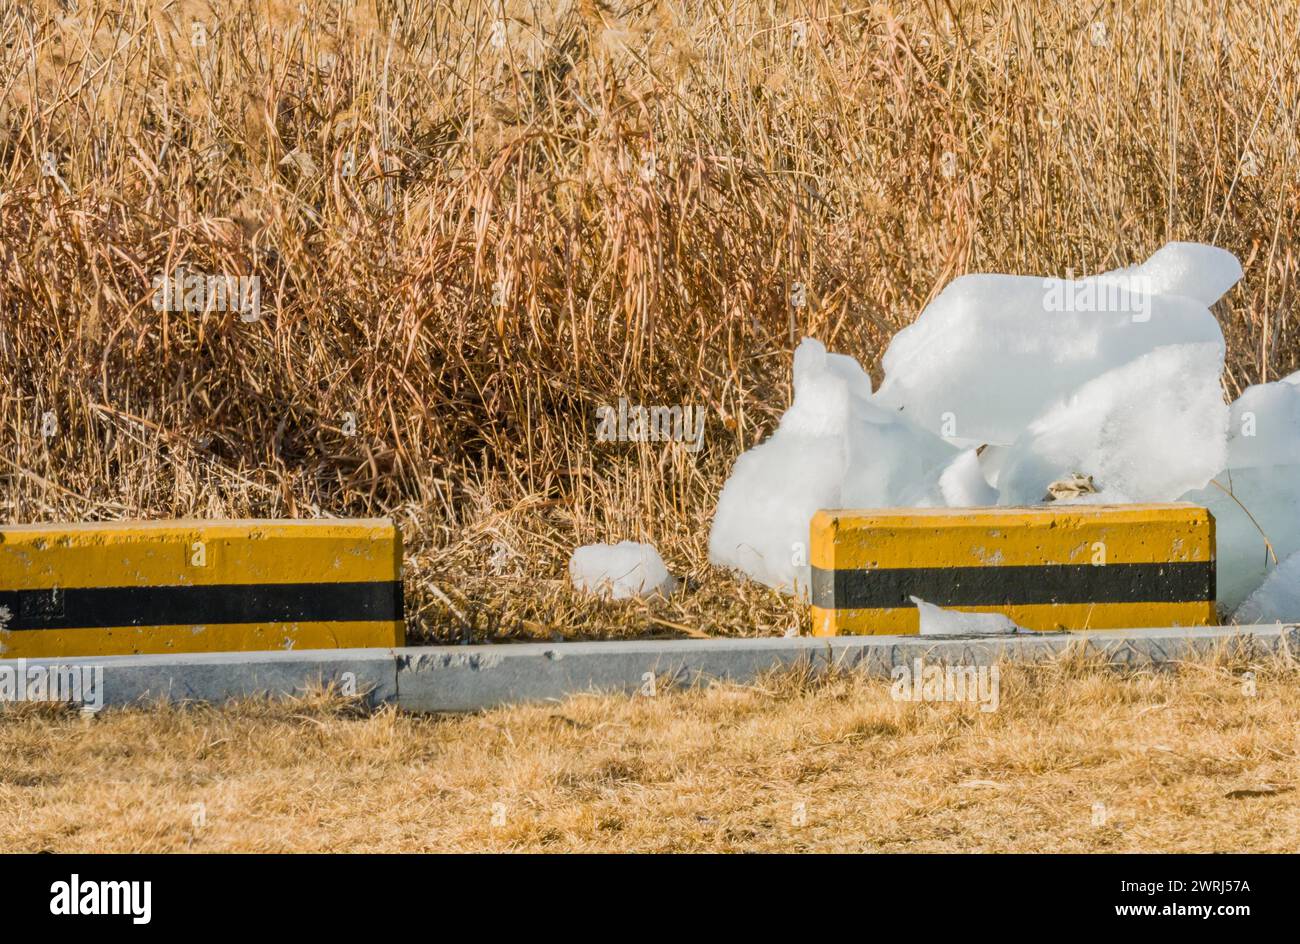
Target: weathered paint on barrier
1049, 567
126, 587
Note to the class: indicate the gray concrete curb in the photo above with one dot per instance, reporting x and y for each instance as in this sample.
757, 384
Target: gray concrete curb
467, 678
219, 676
471, 677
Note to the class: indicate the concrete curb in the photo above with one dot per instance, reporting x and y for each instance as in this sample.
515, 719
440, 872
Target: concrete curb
473, 677
219, 676
468, 678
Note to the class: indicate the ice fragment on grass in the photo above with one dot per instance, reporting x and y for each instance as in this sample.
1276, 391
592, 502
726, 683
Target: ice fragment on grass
619, 571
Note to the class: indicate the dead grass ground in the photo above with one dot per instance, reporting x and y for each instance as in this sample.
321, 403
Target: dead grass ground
1185, 761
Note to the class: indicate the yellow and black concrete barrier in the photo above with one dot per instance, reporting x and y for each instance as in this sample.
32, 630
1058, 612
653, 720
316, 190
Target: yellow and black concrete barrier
118, 588
1049, 567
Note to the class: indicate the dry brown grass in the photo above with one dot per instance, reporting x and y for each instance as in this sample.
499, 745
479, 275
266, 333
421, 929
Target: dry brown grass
1183, 761
498, 264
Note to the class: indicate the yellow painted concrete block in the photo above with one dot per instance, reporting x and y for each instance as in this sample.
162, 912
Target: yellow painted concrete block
1046, 567
123, 587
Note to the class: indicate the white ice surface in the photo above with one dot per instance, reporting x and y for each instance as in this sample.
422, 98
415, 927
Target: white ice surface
1271, 496
937, 621
1277, 600
833, 448
1265, 426
1147, 431
1122, 384
1194, 270
619, 571
991, 352
962, 483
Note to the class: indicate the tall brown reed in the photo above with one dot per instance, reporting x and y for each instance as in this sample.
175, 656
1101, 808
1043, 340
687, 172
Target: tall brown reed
476, 222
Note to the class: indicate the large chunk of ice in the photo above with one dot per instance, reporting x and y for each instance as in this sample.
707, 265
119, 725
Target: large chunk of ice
991, 352
619, 571
1114, 376
1194, 270
1278, 598
1271, 496
1265, 426
1263, 477
890, 461
937, 621
1146, 431
833, 448
761, 524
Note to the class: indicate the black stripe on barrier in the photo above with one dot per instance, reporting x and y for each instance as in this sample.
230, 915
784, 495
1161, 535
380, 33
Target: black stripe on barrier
1164, 582
101, 607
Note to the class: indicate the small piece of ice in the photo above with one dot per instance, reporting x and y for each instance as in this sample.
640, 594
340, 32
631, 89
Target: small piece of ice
936, 621
620, 571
